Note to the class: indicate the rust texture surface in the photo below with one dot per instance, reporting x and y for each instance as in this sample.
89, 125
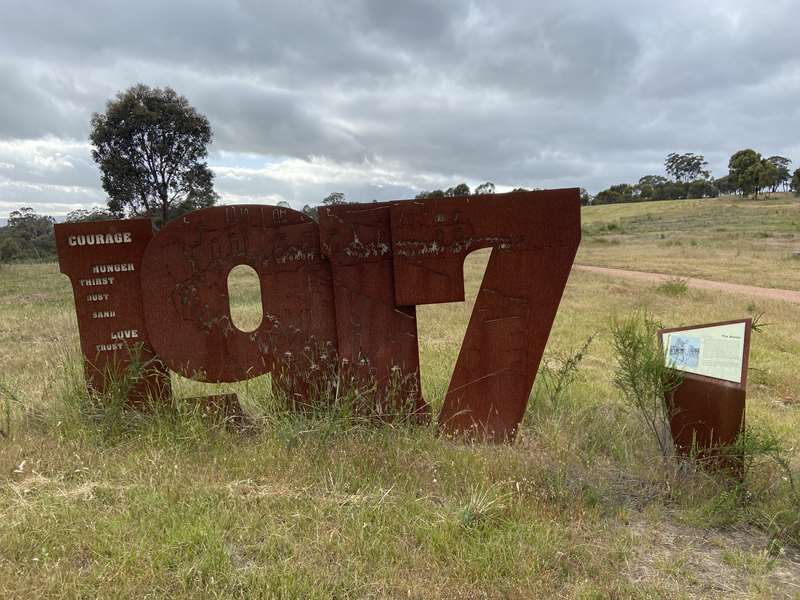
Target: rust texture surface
103, 262
376, 337
534, 236
339, 298
708, 412
187, 308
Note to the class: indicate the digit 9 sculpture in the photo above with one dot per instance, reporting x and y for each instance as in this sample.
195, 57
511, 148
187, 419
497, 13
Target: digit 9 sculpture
185, 290
351, 284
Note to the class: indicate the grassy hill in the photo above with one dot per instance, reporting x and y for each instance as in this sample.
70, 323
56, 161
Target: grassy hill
730, 239
581, 506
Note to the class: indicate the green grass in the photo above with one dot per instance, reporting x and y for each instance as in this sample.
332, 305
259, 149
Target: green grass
674, 286
581, 506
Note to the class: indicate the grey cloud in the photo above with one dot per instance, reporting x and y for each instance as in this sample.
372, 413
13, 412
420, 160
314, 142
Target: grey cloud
418, 20
521, 92
49, 199
251, 118
31, 104
577, 57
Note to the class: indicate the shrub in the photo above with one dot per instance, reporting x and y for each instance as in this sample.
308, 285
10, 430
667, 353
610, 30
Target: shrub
643, 376
674, 286
557, 376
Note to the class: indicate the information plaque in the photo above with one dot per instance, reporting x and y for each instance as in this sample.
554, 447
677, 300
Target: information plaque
707, 409
716, 351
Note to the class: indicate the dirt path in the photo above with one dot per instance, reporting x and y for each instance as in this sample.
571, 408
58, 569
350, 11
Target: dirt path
703, 284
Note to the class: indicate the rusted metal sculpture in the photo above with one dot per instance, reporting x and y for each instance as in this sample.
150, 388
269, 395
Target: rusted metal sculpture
103, 261
376, 336
534, 239
708, 412
348, 288
187, 309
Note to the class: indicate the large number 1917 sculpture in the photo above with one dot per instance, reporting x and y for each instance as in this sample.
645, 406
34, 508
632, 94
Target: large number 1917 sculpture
349, 284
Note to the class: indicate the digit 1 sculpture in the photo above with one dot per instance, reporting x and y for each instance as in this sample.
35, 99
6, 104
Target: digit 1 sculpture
103, 262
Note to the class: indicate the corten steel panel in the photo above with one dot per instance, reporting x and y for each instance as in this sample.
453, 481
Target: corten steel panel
185, 283
534, 236
706, 412
376, 337
103, 261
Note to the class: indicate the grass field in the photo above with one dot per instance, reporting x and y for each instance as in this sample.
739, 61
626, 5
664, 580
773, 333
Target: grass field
581, 506
741, 241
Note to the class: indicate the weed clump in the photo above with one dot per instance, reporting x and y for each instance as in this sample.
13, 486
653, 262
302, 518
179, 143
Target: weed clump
484, 507
767, 465
557, 375
674, 287
125, 409
7, 398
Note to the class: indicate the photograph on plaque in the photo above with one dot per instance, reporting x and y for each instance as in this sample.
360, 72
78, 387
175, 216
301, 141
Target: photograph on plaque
716, 351
684, 351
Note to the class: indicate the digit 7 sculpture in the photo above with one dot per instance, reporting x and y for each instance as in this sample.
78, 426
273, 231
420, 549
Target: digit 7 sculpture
534, 241
350, 283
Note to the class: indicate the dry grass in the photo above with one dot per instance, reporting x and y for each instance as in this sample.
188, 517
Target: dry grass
726, 239
682, 561
315, 507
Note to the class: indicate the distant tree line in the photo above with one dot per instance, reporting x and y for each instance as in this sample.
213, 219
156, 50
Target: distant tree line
462, 189
749, 174
28, 236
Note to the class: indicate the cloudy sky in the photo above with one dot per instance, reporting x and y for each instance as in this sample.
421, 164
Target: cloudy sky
382, 98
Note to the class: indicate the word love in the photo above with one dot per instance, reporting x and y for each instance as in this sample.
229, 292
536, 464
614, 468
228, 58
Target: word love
347, 287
